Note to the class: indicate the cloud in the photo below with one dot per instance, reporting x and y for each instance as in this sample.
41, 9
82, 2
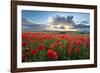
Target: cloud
84, 22
27, 25
25, 21
61, 20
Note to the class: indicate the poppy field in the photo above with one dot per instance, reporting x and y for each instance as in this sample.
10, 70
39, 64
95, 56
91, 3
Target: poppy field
49, 46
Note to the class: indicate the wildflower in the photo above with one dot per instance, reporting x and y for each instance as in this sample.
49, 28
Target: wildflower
24, 44
78, 43
52, 54
41, 47
34, 51
23, 56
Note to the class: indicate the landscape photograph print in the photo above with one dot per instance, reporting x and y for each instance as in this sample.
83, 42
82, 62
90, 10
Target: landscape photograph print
55, 36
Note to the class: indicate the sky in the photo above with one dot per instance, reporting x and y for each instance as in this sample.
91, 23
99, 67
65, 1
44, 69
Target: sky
43, 17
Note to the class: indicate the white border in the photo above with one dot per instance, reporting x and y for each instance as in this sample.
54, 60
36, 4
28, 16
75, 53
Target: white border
53, 63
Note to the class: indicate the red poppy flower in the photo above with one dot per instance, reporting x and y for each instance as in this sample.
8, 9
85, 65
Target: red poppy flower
47, 36
41, 47
24, 36
78, 43
54, 45
55, 56
24, 44
34, 51
87, 45
41, 40
69, 49
52, 54
23, 56
58, 39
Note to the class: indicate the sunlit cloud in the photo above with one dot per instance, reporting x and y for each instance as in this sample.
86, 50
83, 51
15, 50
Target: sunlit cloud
61, 22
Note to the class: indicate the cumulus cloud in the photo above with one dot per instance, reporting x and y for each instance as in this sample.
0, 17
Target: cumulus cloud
58, 19
61, 22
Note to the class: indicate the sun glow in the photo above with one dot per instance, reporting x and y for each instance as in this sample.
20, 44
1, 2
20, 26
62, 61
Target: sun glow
50, 19
60, 28
60, 23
